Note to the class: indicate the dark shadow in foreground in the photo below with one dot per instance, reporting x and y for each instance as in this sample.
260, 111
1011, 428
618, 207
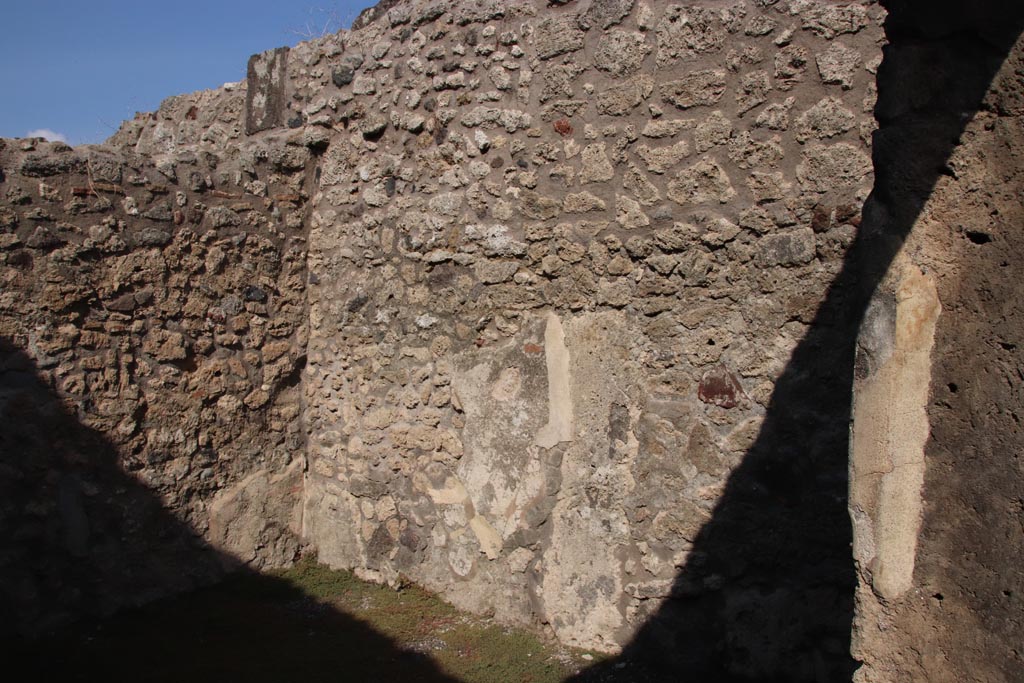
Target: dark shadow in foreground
78, 536
768, 590
251, 627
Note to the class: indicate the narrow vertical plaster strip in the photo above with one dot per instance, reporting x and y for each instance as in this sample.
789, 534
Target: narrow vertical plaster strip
559, 426
891, 430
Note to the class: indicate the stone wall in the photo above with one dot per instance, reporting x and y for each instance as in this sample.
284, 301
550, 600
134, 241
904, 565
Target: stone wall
153, 329
936, 481
559, 258
553, 308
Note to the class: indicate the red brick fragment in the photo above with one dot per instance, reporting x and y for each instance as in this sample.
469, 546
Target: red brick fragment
720, 387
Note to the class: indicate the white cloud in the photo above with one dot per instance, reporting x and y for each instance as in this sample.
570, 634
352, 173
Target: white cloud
50, 135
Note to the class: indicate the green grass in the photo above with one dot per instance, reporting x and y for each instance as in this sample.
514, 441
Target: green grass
307, 623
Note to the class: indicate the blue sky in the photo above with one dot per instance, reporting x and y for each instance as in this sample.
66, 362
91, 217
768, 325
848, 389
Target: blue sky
80, 67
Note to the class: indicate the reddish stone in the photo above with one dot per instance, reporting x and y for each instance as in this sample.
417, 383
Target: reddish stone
720, 387
849, 214
533, 348
821, 218
563, 127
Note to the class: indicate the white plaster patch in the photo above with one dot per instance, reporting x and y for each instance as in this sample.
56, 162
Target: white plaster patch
507, 385
490, 540
890, 432
559, 426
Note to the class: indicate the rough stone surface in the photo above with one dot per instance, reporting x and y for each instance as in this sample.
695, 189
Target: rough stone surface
838, 64
556, 36
621, 53
703, 182
828, 118
687, 32
150, 353
934, 497
514, 378
824, 167
605, 13
696, 88
547, 307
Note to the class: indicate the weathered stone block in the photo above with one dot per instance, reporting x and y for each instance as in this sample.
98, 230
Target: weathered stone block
791, 248
829, 21
619, 100
557, 36
596, 166
605, 13
661, 159
697, 88
684, 33
830, 167
620, 53
828, 118
703, 182
754, 89
266, 97
838, 64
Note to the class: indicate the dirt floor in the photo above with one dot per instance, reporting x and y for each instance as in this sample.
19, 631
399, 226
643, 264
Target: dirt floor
308, 623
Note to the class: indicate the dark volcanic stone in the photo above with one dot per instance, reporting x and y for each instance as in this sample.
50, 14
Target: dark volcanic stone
44, 238
343, 75
45, 165
152, 237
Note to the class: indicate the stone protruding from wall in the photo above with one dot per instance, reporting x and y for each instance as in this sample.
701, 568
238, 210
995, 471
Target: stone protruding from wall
267, 90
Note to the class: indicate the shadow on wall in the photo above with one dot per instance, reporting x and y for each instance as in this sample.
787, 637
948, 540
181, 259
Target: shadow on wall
80, 536
77, 534
767, 592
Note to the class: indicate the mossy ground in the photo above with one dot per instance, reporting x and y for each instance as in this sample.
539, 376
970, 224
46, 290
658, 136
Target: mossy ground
308, 623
